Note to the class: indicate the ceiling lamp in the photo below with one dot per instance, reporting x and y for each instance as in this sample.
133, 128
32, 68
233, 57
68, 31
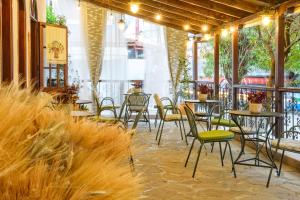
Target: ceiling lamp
207, 37
158, 17
186, 27
265, 20
224, 32
121, 24
78, 6
204, 27
134, 7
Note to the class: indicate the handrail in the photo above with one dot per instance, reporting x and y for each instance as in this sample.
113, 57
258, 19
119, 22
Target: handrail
289, 89
253, 87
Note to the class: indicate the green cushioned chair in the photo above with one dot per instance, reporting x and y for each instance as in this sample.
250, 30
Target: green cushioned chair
211, 136
223, 122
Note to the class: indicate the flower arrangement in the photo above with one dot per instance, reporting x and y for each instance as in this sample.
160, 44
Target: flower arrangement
257, 97
204, 89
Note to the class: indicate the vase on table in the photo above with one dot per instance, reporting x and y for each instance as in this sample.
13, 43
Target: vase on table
202, 97
255, 107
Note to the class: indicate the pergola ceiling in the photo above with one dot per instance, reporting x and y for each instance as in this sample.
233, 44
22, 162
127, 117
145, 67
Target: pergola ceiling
177, 13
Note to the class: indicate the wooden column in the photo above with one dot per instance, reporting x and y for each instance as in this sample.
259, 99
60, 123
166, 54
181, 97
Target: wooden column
7, 58
195, 66
235, 66
279, 65
216, 63
22, 42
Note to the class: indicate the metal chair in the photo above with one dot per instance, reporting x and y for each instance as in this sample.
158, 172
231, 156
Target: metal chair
211, 136
167, 105
106, 104
136, 103
287, 142
165, 117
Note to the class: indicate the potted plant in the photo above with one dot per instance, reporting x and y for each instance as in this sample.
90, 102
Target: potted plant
255, 101
203, 92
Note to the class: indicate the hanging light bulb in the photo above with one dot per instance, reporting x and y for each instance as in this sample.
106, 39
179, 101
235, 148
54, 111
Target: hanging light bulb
204, 27
134, 7
158, 17
186, 27
207, 37
224, 32
121, 24
78, 6
265, 19
111, 16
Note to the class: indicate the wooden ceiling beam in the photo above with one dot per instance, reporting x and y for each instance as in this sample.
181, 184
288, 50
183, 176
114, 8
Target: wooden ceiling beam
171, 15
258, 3
175, 4
181, 13
165, 22
219, 8
238, 5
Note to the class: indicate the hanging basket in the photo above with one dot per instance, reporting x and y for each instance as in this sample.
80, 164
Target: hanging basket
255, 107
202, 97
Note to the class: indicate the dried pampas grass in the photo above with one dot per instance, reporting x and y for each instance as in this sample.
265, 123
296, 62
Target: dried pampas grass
45, 154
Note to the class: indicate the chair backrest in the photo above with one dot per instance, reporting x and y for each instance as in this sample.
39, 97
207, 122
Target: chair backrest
137, 99
191, 120
159, 105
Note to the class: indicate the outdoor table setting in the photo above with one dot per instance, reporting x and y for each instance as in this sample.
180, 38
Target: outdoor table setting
261, 137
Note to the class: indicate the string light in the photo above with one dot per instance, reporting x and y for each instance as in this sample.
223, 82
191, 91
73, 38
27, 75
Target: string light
186, 27
134, 7
78, 6
121, 24
266, 19
232, 29
158, 17
224, 32
204, 27
207, 37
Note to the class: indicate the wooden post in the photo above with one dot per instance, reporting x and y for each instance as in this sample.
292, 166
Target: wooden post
216, 62
235, 66
195, 66
279, 65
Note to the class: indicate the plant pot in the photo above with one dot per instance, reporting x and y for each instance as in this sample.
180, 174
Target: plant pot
202, 97
255, 107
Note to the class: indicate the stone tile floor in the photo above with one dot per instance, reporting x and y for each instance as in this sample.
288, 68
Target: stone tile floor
165, 177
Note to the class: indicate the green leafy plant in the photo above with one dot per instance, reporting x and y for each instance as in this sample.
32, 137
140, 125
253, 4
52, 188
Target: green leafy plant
50, 15
186, 78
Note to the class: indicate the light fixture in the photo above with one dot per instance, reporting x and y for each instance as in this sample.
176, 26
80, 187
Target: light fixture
207, 37
158, 17
186, 27
232, 28
265, 20
204, 28
224, 32
111, 17
134, 7
78, 6
121, 24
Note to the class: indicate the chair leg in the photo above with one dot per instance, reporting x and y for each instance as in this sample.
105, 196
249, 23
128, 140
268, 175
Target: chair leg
162, 128
233, 168
224, 152
188, 157
212, 147
159, 126
180, 130
149, 121
281, 160
196, 164
184, 133
221, 154
156, 118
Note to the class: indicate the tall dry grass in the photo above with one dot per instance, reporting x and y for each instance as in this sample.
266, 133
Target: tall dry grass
45, 154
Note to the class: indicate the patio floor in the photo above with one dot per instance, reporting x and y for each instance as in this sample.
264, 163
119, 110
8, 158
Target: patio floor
165, 177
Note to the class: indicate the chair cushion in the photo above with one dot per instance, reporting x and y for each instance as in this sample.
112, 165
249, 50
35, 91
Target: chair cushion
223, 122
136, 108
247, 130
109, 107
174, 117
201, 114
287, 144
215, 135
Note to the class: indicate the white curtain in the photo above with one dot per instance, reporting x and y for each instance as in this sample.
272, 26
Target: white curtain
156, 61
78, 64
114, 82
